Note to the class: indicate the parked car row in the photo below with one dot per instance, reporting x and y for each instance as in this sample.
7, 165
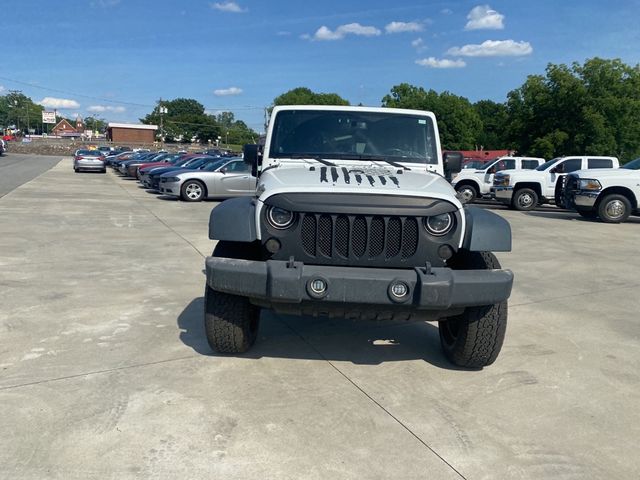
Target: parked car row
592, 185
190, 177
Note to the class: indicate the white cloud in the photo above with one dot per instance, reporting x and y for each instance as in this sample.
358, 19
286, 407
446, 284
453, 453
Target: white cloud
401, 27
51, 102
483, 17
225, 92
493, 48
324, 33
230, 7
102, 109
1, 88
433, 62
283, 33
446, 11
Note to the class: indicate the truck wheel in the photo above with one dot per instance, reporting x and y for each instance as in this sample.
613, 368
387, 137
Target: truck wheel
467, 193
230, 321
474, 339
614, 208
590, 214
525, 199
192, 191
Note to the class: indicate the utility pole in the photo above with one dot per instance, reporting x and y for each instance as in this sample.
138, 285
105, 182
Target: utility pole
162, 110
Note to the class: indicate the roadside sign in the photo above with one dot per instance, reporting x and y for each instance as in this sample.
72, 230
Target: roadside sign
48, 117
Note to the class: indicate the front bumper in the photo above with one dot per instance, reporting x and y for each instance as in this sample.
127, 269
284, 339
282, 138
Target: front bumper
170, 188
502, 194
282, 282
583, 199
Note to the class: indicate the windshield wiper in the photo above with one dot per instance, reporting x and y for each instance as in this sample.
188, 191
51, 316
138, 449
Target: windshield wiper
372, 158
317, 158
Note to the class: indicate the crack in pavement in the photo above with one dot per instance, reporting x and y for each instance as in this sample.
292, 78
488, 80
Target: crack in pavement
373, 400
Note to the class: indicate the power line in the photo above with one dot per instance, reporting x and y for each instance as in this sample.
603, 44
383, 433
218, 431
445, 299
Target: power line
121, 102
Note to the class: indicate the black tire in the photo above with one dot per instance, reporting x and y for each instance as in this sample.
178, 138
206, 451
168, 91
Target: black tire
614, 208
467, 193
474, 338
193, 191
524, 199
590, 214
231, 322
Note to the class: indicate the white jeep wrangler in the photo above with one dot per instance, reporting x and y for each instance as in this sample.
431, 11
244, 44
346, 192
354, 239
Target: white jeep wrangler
526, 189
472, 183
353, 218
611, 194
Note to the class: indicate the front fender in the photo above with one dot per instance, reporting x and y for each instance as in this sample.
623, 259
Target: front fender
234, 220
486, 231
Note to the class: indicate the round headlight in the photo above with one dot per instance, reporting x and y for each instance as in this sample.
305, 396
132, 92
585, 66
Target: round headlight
439, 225
280, 218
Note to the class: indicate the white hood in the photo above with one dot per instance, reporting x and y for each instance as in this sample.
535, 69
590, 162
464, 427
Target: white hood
354, 178
607, 173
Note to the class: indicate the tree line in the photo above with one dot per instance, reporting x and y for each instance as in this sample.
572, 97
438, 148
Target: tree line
589, 109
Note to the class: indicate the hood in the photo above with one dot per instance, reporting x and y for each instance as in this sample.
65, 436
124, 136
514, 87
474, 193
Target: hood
607, 173
354, 178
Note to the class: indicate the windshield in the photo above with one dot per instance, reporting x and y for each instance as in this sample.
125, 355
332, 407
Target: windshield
89, 153
473, 164
353, 136
547, 164
632, 165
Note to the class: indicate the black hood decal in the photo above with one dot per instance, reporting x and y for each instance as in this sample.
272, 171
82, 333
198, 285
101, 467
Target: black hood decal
372, 175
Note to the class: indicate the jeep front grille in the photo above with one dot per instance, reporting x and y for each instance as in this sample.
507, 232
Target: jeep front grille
359, 236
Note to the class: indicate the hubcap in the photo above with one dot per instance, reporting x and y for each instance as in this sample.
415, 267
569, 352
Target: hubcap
525, 200
615, 209
193, 191
466, 194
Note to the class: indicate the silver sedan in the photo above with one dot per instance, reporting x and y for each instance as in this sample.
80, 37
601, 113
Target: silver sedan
89, 160
229, 177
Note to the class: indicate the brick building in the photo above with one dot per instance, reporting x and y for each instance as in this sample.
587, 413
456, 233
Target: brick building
64, 129
130, 133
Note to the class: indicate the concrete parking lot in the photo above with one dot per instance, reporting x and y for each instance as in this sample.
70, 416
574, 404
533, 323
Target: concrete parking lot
105, 372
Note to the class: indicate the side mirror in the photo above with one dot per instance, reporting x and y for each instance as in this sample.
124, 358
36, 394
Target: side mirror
223, 170
452, 163
252, 154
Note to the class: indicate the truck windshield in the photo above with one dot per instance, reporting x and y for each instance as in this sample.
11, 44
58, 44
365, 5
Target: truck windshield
547, 164
632, 165
361, 136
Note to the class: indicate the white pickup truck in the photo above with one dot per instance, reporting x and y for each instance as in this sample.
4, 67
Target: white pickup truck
525, 189
472, 183
610, 194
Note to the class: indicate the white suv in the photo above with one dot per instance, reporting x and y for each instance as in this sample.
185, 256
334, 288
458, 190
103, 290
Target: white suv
525, 189
610, 194
472, 183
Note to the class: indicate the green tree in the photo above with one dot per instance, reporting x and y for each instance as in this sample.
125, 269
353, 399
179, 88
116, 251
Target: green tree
592, 108
185, 120
494, 119
459, 123
304, 96
96, 124
18, 109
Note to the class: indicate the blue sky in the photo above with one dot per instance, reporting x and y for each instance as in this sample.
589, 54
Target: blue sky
116, 58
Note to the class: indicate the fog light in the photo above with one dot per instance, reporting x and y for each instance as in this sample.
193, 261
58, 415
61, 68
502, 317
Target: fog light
273, 245
317, 287
445, 252
398, 291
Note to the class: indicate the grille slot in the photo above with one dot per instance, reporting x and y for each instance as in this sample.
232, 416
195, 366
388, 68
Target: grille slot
359, 237
308, 233
325, 235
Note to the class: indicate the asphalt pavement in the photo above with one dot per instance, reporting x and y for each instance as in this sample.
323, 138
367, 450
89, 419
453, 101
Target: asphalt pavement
105, 372
17, 169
